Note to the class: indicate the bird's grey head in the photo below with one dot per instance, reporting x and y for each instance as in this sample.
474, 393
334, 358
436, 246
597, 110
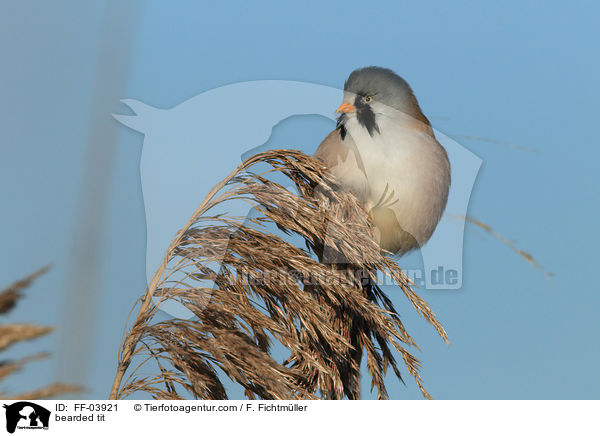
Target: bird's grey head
374, 91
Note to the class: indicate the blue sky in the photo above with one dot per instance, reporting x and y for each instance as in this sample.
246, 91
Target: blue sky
517, 72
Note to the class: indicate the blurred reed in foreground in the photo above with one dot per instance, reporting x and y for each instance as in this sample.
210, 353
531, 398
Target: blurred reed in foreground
247, 286
14, 333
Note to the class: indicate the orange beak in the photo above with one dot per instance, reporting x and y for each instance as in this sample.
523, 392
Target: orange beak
346, 107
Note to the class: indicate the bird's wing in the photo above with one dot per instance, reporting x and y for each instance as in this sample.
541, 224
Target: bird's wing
334, 151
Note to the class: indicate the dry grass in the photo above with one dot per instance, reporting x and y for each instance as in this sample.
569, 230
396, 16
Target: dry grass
18, 332
248, 285
522, 253
11, 333
53, 390
11, 294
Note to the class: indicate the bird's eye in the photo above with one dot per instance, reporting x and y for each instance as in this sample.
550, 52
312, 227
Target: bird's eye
367, 99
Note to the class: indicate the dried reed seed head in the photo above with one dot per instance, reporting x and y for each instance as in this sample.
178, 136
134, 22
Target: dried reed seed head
249, 285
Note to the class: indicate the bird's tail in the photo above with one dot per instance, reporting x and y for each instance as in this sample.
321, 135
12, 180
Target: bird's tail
343, 363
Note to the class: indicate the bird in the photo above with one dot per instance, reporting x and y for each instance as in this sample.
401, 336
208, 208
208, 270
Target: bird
384, 151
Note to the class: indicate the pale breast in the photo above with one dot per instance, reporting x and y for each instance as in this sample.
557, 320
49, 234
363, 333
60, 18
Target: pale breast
407, 172
400, 175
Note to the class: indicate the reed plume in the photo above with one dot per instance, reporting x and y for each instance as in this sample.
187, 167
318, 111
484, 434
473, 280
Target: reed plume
248, 285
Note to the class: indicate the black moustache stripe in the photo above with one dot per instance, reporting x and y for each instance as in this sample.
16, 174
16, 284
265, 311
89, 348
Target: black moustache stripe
340, 125
365, 116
